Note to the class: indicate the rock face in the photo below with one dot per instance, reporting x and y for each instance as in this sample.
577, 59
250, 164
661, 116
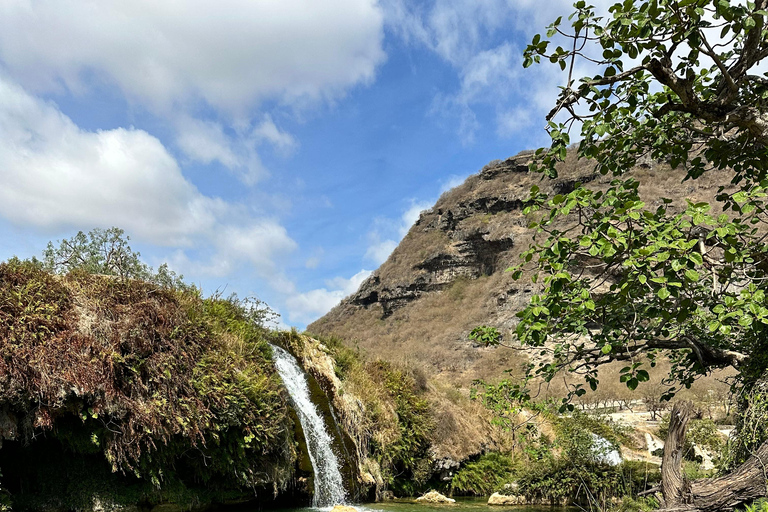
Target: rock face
435, 497
314, 358
448, 276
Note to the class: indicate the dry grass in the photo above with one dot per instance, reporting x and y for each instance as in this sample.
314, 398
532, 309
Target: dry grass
432, 331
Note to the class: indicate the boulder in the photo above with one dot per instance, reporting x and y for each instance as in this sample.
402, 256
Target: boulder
387, 495
503, 499
343, 508
435, 497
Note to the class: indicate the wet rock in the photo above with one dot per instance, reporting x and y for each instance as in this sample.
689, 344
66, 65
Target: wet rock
343, 508
435, 497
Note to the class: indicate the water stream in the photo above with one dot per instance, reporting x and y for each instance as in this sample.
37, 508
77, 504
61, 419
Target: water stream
329, 485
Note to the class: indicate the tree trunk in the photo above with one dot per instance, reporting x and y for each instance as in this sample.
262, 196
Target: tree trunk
674, 486
747, 483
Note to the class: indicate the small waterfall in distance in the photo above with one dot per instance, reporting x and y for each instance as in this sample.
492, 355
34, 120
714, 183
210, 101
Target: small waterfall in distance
329, 485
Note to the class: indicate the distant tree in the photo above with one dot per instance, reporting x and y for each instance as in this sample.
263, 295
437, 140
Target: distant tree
678, 82
107, 252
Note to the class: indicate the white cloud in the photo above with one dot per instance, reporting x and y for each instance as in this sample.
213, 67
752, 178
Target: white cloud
474, 37
269, 132
452, 181
231, 54
207, 141
386, 233
309, 306
379, 250
180, 59
57, 176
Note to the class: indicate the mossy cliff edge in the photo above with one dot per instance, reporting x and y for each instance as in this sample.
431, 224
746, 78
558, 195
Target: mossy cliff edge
125, 392
119, 392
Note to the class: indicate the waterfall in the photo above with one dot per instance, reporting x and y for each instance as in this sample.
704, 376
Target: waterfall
329, 485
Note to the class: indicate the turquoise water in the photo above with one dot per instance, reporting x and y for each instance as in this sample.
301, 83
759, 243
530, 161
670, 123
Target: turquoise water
461, 505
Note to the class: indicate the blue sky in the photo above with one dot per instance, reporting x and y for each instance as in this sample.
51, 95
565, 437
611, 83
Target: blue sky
277, 148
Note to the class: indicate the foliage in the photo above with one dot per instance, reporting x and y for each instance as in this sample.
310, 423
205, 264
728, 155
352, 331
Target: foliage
407, 458
758, 506
571, 467
625, 276
106, 251
752, 423
578, 430
484, 476
701, 432
345, 359
629, 504
485, 335
398, 419
560, 481
161, 384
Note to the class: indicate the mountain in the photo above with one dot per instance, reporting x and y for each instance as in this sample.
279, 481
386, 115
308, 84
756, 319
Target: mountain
448, 276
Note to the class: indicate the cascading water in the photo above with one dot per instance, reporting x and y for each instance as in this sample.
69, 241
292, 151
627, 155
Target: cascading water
329, 485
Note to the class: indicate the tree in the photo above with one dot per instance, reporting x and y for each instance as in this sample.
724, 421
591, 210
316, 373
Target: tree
106, 251
678, 82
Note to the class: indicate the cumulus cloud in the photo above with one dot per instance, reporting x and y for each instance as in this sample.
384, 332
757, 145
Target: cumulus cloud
231, 54
223, 59
379, 250
58, 176
309, 306
206, 141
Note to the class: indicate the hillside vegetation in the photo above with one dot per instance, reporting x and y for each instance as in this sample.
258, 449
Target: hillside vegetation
448, 275
129, 392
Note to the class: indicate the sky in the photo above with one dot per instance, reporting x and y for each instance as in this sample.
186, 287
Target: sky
271, 148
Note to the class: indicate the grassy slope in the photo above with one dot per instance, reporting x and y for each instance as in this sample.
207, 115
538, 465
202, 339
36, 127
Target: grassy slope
432, 331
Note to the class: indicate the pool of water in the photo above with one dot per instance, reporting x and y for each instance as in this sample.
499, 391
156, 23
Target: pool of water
410, 505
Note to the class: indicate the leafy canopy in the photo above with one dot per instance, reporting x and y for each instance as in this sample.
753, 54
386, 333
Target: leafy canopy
678, 84
106, 252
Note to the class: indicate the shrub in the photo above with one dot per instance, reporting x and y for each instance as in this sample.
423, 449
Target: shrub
484, 476
156, 381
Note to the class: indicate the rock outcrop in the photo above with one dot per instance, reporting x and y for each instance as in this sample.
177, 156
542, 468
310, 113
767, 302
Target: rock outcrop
348, 409
448, 276
435, 497
504, 500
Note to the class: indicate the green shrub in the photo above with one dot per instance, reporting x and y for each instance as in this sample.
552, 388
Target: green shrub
405, 461
758, 506
484, 476
629, 504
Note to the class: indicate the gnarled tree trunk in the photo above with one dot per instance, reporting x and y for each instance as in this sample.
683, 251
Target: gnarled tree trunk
674, 486
748, 482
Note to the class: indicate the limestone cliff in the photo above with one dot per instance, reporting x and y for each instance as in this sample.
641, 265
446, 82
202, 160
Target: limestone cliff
448, 273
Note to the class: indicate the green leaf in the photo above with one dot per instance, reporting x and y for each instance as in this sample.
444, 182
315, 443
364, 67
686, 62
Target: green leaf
663, 293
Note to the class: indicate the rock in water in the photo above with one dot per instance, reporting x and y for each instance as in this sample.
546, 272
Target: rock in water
343, 508
502, 499
435, 497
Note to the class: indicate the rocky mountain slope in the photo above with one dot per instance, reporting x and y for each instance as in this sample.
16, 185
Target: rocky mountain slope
448, 276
